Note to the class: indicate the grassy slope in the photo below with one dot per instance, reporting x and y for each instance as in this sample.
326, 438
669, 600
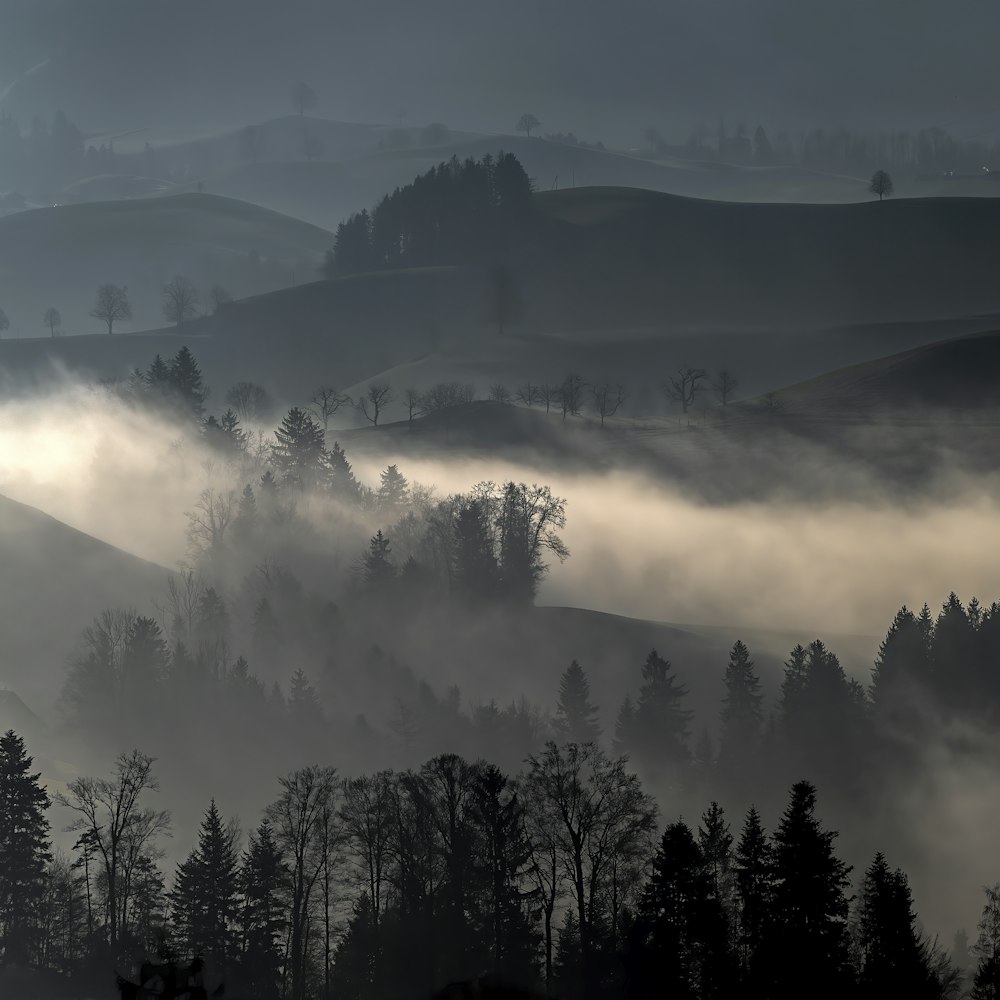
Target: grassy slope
55, 580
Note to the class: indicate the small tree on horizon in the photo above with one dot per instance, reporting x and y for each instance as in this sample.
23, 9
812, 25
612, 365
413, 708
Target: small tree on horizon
377, 396
303, 98
52, 320
112, 305
180, 300
526, 123
881, 184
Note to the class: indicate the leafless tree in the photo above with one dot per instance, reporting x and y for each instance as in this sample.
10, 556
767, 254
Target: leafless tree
526, 123
571, 395
208, 522
446, 394
325, 403
414, 403
608, 400
881, 184
109, 815
303, 98
180, 300
773, 403
527, 394
307, 796
499, 393
366, 816
685, 385
548, 394
377, 397
52, 320
249, 401
725, 384
111, 306
218, 298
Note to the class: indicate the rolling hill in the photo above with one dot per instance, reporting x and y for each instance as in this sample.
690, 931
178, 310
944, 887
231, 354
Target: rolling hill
58, 256
55, 581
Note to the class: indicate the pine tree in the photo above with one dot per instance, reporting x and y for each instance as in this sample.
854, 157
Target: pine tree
901, 669
377, 565
185, 383
893, 959
24, 849
742, 716
716, 843
477, 573
264, 889
393, 491
660, 730
807, 937
340, 475
624, 727
303, 703
298, 453
576, 718
205, 893
754, 871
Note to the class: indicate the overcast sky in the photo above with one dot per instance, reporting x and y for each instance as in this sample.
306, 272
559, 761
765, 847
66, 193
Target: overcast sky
602, 68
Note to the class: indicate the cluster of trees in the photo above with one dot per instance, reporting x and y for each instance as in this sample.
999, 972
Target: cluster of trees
43, 160
456, 212
393, 883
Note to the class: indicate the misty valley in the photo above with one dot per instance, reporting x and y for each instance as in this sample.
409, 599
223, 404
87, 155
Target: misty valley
499, 504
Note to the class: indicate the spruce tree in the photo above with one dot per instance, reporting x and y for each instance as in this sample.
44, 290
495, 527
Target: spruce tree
303, 703
377, 564
477, 574
660, 729
716, 842
624, 727
205, 893
753, 866
393, 490
742, 716
576, 718
340, 476
807, 936
185, 384
264, 888
24, 849
299, 454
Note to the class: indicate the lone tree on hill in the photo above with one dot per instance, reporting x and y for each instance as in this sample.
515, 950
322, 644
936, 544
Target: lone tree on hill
111, 306
303, 98
725, 384
685, 385
180, 300
376, 398
52, 320
881, 184
526, 123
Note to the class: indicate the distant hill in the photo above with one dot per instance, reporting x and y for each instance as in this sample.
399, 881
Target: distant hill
58, 256
55, 580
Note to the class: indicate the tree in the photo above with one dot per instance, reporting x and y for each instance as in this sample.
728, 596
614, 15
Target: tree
204, 899
601, 822
753, 865
219, 298
307, 797
250, 401
499, 393
112, 305
526, 123
303, 98
117, 827
185, 383
4, 323
503, 301
377, 396
725, 384
180, 300
299, 450
24, 849
325, 403
208, 522
570, 395
377, 564
881, 184
607, 401
52, 320
742, 718
264, 888
684, 386
807, 934
393, 490
576, 718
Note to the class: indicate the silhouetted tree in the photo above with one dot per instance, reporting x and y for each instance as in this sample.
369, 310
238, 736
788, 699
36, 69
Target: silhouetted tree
576, 718
303, 98
112, 306
325, 403
298, 452
378, 568
684, 387
376, 397
264, 885
180, 300
185, 383
218, 298
881, 184
503, 302
526, 123
742, 717
753, 866
607, 401
725, 384
52, 320
570, 395
250, 401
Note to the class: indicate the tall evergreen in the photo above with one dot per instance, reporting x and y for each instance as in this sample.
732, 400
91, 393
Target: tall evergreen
716, 842
377, 565
186, 385
204, 900
753, 866
299, 453
901, 669
24, 850
264, 889
659, 731
576, 718
742, 717
806, 939
340, 476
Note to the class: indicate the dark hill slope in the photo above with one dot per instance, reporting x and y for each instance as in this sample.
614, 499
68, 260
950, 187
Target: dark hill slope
54, 581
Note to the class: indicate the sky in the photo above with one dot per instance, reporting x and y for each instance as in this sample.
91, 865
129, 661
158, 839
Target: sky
602, 69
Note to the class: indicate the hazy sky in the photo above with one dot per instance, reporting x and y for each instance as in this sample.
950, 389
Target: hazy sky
601, 68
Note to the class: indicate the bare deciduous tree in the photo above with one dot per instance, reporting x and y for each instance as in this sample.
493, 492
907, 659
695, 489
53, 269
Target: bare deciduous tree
725, 384
527, 394
548, 394
414, 403
773, 403
218, 298
571, 395
303, 98
377, 397
881, 184
111, 306
52, 320
685, 385
325, 403
445, 394
608, 399
208, 522
180, 300
109, 814
526, 123
249, 400
499, 393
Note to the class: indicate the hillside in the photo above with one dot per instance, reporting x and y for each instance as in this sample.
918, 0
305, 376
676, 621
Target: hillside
55, 580
58, 256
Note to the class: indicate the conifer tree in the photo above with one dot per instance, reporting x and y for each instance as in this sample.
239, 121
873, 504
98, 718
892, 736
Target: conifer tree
716, 842
754, 870
576, 718
807, 935
204, 899
986, 983
901, 669
24, 849
624, 726
340, 475
303, 703
742, 716
660, 729
393, 490
477, 573
185, 383
377, 565
298, 453
264, 890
